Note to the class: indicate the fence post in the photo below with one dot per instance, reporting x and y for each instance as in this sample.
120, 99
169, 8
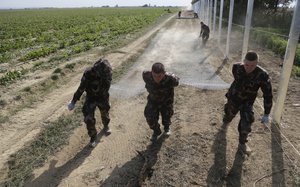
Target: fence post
229, 28
210, 13
207, 12
220, 22
247, 27
287, 64
215, 14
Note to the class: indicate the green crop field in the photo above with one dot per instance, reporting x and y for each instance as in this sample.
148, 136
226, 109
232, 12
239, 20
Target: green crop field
55, 35
30, 34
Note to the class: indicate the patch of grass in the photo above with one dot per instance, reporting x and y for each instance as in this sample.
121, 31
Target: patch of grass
3, 70
47, 85
54, 77
70, 66
296, 71
2, 102
17, 98
27, 89
77, 49
59, 57
10, 76
38, 63
4, 57
48, 142
3, 119
57, 70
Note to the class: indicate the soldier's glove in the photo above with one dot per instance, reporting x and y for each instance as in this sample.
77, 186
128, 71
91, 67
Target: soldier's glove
265, 118
71, 105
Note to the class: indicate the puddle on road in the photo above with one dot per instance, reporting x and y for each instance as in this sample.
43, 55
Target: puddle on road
179, 50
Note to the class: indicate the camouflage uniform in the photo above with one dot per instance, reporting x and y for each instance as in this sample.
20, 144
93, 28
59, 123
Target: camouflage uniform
242, 94
95, 82
205, 33
160, 100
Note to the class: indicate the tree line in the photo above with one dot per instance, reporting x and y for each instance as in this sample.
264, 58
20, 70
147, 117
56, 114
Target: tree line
266, 13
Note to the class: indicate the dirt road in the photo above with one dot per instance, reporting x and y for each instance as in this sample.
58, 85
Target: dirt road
199, 152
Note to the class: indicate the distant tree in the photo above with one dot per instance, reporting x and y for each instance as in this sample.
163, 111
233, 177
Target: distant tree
264, 10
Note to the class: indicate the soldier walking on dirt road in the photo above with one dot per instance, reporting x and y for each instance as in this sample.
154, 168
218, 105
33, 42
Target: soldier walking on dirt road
204, 33
96, 82
179, 14
160, 86
248, 78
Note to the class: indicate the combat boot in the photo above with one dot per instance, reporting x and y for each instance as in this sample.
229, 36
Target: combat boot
107, 130
245, 148
155, 134
168, 131
93, 142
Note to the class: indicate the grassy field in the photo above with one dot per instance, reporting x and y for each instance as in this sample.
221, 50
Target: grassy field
60, 33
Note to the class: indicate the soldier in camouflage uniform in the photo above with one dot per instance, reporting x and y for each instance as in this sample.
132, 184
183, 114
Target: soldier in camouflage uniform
204, 33
96, 82
248, 78
160, 86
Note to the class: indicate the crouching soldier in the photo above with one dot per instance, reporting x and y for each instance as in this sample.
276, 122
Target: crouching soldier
160, 86
96, 82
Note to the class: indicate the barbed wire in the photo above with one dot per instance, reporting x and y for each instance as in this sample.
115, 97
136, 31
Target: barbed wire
256, 29
259, 30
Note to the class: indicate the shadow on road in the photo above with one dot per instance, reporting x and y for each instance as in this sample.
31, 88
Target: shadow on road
186, 18
234, 176
217, 172
278, 178
54, 175
204, 59
217, 72
134, 172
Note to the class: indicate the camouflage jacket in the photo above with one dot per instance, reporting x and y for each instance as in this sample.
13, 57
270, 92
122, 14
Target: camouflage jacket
95, 84
162, 93
245, 86
204, 29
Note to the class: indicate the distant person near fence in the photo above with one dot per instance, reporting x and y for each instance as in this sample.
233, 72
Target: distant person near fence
179, 14
204, 33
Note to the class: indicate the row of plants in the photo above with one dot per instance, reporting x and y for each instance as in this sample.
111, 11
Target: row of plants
60, 33
10, 76
62, 28
276, 43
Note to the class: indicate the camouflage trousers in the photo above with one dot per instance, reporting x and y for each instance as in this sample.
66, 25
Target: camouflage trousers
205, 37
88, 111
152, 111
246, 117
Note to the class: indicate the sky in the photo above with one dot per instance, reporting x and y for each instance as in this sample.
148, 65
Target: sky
88, 3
